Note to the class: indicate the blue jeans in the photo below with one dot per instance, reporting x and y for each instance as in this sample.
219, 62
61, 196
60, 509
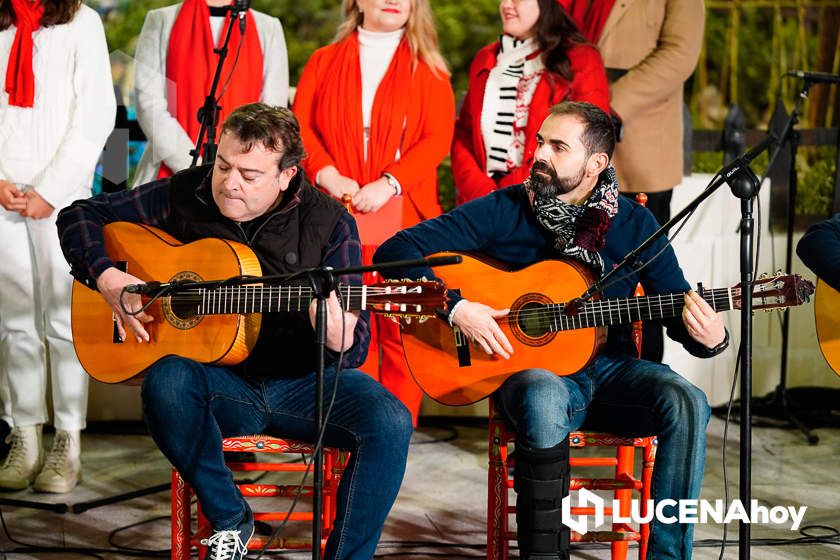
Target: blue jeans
189, 407
625, 396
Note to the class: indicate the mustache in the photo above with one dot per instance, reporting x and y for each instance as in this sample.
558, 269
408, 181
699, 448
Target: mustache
543, 167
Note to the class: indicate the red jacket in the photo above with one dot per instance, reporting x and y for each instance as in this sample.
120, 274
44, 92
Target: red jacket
469, 160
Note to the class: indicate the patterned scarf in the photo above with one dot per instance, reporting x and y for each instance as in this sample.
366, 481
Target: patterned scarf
581, 229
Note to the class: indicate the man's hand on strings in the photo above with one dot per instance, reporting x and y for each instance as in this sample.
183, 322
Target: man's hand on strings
337, 319
704, 324
110, 284
478, 322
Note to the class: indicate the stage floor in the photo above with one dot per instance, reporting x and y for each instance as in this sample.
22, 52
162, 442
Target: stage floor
441, 509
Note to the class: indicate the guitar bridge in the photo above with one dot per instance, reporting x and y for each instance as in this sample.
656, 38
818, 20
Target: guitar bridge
462, 345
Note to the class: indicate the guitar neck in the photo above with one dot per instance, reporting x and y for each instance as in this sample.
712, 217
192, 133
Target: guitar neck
266, 299
606, 312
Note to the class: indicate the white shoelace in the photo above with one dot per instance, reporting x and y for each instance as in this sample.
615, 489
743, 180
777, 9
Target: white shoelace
58, 454
227, 544
17, 451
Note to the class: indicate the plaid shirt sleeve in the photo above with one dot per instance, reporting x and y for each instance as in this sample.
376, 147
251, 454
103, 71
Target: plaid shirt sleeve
344, 249
80, 225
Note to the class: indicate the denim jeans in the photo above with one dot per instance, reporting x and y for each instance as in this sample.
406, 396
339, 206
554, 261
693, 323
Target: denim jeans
625, 396
189, 407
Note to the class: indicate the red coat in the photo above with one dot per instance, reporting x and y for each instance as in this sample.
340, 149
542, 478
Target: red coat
469, 160
427, 131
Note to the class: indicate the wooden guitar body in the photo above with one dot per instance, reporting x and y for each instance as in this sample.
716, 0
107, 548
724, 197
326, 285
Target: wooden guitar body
150, 254
454, 372
827, 315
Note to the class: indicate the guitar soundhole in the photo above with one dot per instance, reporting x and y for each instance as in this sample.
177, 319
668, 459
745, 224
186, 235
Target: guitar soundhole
530, 321
181, 310
533, 321
184, 310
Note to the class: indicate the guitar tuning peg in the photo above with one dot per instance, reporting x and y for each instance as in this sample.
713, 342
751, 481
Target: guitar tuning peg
762, 276
423, 319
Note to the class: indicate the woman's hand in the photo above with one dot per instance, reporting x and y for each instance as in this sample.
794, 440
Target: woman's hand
335, 183
373, 196
36, 207
11, 197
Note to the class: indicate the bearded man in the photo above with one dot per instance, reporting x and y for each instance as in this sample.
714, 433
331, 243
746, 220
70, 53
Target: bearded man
569, 208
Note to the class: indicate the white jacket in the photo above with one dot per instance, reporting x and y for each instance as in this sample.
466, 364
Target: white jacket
168, 142
55, 144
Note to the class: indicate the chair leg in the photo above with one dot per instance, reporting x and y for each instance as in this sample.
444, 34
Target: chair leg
623, 470
180, 518
497, 497
647, 485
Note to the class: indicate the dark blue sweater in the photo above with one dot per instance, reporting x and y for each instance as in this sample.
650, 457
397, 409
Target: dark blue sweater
819, 249
502, 225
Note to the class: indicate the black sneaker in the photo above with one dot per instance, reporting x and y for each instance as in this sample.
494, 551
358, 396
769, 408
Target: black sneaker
231, 544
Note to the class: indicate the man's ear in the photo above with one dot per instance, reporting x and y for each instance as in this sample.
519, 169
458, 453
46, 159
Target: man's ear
597, 163
285, 177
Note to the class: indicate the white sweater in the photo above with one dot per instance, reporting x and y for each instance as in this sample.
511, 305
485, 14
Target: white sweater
54, 146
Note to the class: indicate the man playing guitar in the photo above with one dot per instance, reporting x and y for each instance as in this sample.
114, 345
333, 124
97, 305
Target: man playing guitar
570, 208
255, 194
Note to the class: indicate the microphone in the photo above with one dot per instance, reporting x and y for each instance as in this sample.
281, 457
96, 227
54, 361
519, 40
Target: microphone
241, 7
815, 77
144, 289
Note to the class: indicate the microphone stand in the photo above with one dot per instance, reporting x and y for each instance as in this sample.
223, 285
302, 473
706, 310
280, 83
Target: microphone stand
789, 135
744, 185
208, 114
322, 282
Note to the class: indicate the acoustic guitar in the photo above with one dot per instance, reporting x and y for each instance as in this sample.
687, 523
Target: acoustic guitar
216, 325
827, 315
541, 330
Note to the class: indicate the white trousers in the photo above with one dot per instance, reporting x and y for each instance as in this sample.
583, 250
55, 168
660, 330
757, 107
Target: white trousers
35, 287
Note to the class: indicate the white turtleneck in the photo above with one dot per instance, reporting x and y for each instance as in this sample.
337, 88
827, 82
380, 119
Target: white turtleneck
375, 53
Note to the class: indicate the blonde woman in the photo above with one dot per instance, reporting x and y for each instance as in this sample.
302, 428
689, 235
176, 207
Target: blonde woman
377, 114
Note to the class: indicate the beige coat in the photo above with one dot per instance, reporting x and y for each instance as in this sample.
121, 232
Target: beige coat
658, 42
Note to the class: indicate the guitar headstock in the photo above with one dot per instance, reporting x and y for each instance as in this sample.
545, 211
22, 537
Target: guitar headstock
406, 299
777, 291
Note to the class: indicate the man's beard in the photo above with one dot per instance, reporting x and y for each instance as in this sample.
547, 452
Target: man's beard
546, 183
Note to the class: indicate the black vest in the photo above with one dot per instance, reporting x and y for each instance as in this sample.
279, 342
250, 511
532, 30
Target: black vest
291, 237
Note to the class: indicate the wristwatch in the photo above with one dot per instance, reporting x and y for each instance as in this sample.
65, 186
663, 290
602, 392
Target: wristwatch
393, 182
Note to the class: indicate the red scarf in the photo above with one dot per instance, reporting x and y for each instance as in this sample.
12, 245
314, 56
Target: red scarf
20, 78
190, 64
589, 15
341, 105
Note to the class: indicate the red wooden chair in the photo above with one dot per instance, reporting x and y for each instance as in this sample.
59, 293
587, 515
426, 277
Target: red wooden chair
186, 534
623, 483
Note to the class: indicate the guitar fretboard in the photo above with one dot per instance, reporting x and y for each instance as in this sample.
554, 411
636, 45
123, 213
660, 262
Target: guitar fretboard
602, 313
269, 299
